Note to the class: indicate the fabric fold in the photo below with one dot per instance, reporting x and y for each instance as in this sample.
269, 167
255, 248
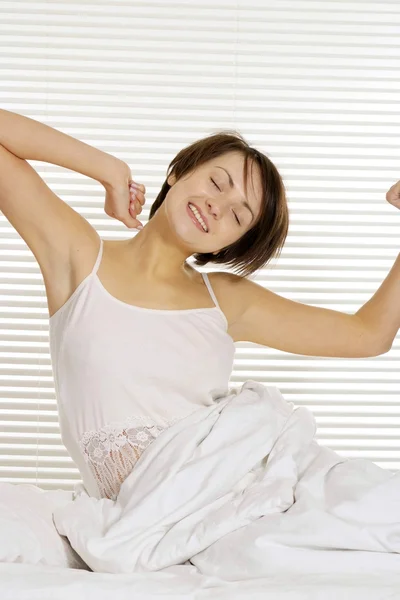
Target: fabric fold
248, 461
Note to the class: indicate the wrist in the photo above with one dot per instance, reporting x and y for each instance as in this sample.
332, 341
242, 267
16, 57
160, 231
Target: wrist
118, 171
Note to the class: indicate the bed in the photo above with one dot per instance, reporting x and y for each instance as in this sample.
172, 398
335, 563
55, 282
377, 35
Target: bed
237, 500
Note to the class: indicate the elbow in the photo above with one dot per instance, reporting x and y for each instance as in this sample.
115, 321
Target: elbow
383, 350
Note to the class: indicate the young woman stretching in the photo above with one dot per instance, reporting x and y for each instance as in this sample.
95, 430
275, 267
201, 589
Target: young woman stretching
138, 337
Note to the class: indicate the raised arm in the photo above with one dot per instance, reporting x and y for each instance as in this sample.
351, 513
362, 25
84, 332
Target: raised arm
32, 140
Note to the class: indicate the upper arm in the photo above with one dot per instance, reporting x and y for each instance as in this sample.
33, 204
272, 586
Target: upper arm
277, 322
48, 225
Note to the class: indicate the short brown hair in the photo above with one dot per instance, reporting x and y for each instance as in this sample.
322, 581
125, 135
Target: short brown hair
266, 238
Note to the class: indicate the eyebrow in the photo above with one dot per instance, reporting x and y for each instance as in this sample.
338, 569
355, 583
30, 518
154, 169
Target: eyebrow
232, 185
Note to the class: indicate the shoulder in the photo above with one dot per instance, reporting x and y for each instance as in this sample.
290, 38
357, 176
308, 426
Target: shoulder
232, 292
236, 294
226, 281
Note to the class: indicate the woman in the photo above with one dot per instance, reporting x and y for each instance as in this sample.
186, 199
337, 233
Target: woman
136, 342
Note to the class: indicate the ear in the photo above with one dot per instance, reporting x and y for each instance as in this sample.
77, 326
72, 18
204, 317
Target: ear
171, 180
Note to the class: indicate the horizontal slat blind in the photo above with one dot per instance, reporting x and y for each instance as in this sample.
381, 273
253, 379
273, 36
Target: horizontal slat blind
314, 85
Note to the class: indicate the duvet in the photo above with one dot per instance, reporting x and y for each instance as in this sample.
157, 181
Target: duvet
238, 489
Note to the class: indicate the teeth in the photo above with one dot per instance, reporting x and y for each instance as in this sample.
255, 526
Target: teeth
198, 217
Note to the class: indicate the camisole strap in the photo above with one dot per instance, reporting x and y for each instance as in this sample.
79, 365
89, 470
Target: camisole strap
208, 284
204, 275
98, 259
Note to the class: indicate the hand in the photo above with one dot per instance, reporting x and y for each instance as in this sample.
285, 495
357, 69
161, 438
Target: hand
393, 195
120, 202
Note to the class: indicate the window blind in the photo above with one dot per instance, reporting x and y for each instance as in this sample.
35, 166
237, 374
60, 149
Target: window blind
314, 85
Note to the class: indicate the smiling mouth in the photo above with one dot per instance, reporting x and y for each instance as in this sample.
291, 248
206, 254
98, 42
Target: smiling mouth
192, 214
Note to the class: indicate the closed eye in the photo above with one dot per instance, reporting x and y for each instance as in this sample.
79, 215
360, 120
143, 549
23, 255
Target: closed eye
220, 190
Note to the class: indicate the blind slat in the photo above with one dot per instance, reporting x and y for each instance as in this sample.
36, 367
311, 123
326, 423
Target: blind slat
314, 86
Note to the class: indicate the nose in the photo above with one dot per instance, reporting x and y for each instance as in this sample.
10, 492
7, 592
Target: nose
215, 208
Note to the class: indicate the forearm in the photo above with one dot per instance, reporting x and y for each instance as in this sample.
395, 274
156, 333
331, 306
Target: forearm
381, 314
33, 140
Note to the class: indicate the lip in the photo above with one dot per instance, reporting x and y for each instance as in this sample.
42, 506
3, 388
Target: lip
194, 220
202, 216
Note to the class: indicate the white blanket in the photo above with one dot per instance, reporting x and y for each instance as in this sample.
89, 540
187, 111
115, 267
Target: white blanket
239, 488
27, 532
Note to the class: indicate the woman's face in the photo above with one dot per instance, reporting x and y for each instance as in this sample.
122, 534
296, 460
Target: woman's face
221, 203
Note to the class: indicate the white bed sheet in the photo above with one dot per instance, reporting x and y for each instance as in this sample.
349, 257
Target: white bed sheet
368, 576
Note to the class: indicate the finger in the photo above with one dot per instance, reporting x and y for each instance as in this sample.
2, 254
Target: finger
136, 206
133, 214
137, 226
132, 223
141, 198
392, 195
132, 210
138, 187
139, 207
138, 195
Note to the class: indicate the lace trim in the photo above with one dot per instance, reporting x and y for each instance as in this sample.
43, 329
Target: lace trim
112, 451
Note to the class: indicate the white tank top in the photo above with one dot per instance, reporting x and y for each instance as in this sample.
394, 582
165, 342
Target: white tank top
124, 373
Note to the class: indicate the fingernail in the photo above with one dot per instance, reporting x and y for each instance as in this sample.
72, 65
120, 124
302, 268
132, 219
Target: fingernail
139, 227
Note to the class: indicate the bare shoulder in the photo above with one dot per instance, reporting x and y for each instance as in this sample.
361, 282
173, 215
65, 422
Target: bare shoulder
230, 290
227, 282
